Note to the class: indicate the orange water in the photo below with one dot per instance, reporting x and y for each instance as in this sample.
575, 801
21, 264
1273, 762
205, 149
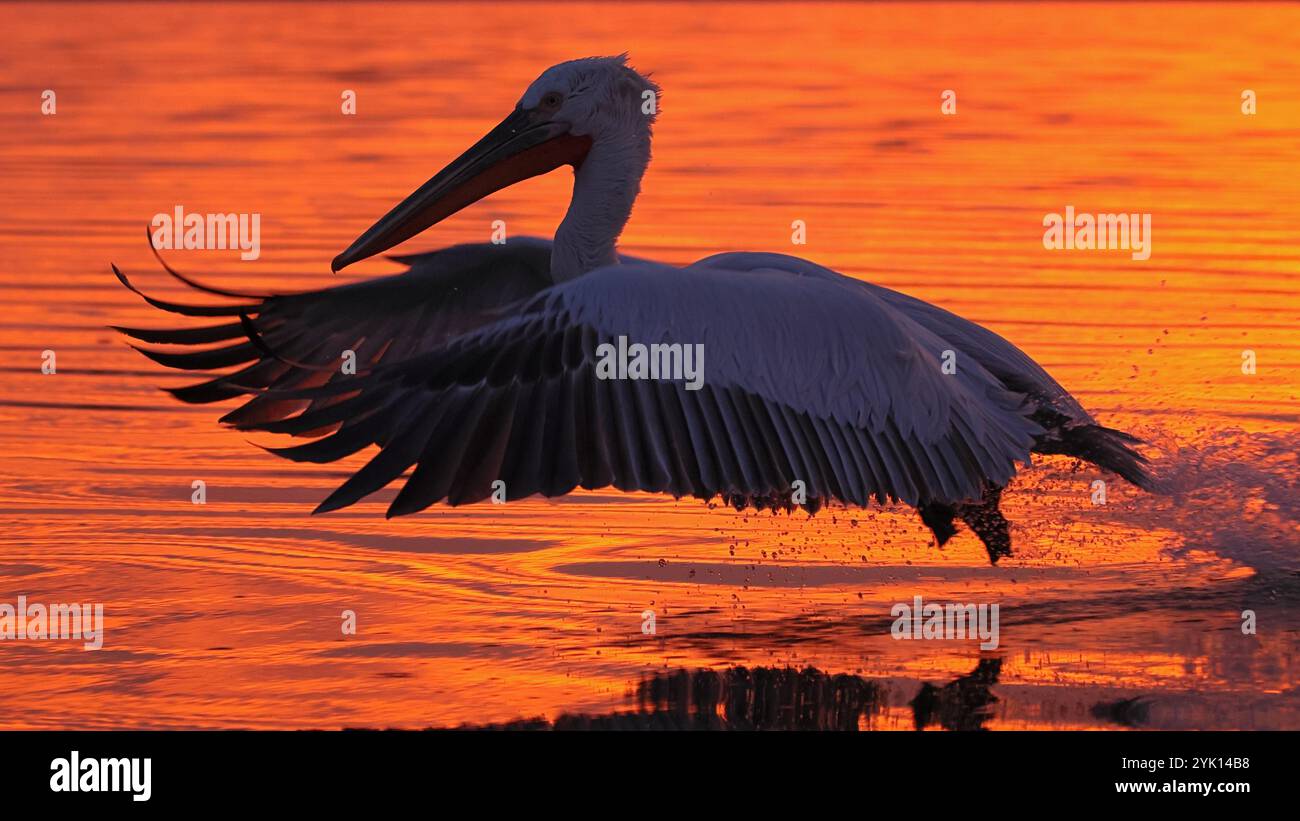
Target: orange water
229, 614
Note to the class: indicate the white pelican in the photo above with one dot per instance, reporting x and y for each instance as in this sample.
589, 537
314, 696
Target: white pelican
478, 364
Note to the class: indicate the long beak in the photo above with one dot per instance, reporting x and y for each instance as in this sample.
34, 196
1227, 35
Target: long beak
515, 150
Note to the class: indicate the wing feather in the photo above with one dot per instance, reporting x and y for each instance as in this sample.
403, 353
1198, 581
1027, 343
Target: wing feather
474, 367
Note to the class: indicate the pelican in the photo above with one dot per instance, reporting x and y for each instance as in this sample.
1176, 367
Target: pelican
476, 368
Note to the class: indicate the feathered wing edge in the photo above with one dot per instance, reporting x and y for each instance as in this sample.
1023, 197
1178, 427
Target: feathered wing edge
715, 441
519, 401
1067, 427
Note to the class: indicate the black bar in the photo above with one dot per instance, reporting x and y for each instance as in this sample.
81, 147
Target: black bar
315, 768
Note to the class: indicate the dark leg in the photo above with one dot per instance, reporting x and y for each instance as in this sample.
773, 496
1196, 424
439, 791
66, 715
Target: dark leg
988, 523
938, 518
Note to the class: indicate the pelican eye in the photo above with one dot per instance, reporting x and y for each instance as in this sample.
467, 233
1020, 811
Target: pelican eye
552, 100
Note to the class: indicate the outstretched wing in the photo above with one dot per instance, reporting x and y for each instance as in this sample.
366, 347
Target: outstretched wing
805, 378
302, 338
1012, 366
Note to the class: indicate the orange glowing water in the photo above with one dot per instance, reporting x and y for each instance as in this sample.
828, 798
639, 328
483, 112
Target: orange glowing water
228, 614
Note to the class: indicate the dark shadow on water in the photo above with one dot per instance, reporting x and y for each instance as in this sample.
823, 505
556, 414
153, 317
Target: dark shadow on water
1128, 712
769, 698
963, 704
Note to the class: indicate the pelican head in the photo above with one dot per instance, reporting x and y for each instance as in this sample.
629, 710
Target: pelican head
594, 114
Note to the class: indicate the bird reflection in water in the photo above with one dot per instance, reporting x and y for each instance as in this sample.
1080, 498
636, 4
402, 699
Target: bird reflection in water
770, 698
963, 704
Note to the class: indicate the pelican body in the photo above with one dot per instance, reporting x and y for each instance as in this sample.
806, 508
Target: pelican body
478, 364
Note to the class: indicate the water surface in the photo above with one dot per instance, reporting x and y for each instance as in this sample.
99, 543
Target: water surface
228, 614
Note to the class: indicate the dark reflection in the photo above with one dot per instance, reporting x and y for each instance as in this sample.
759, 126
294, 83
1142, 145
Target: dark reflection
762, 698
770, 698
1127, 712
963, 704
